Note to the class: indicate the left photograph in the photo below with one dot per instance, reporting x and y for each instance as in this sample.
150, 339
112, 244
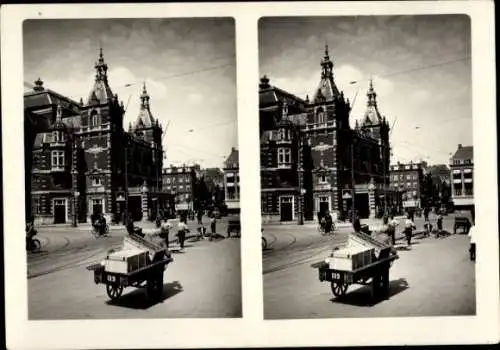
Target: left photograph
131, 168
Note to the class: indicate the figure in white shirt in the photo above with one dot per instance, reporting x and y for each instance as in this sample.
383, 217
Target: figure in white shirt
409, 227
472, 247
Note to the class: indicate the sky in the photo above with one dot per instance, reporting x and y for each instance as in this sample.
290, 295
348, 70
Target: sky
420, 65
188, 65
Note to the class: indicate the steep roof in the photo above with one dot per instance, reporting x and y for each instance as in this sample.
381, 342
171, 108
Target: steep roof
372, 114
327, 90
233, 158
145, 119
464, 152
101, 92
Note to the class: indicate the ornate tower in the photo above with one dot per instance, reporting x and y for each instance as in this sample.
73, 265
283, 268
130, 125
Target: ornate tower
102, 141
148, 128
327, 134
377, 127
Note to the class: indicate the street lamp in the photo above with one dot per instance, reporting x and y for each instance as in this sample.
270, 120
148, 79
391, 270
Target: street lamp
75, 200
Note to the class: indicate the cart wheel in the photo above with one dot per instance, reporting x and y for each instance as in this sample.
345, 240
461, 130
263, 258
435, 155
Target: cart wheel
114, 291
339, 288
35, 248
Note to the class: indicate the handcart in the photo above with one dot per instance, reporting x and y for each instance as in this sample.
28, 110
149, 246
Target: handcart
149, 276
372, 266
375, 274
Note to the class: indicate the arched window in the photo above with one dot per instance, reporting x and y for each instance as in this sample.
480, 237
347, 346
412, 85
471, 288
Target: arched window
320, 116
95, 119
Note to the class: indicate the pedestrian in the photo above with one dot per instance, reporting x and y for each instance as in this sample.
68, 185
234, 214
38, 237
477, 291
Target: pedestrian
328, 223
409, 226
472, 246
426, 214
356, 225
212, 224
439, 225
200, 217
182, 229
165, 231
392, 229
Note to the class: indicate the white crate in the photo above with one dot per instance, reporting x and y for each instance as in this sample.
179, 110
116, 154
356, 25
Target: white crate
125, 261
351, 258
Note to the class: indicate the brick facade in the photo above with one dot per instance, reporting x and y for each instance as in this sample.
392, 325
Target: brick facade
320, 141
80, 160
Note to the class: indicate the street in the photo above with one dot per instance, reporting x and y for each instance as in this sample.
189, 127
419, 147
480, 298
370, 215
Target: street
203, 281
432, 278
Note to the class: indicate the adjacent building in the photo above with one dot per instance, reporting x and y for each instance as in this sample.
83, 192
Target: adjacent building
408, 179
232, 182
180, 182
81, 161
313, 161
462, 177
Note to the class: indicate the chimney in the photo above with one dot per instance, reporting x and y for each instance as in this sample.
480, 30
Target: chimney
459, 146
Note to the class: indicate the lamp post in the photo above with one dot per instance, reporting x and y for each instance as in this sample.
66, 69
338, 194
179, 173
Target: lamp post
75, 199
353, 184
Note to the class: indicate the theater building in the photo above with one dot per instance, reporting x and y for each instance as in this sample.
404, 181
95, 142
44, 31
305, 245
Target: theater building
81, 161
313, 161
462, 177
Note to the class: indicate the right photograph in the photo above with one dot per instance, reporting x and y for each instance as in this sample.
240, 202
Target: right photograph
367, 168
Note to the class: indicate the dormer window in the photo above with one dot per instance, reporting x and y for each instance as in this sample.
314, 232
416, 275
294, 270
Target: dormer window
284, 134
321, 118
57, 159
96, 181
322, 179
57, 136
95, 119
284, 157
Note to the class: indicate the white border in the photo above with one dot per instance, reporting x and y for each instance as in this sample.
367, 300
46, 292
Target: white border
251, 330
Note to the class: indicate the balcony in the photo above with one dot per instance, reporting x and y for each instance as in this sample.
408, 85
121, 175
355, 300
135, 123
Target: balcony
320, 126
58, 168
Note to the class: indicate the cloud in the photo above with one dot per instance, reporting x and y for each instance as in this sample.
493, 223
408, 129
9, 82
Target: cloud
420, 95
195, 98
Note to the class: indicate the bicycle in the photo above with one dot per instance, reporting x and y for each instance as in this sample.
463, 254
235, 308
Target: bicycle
96, 232
34, 245
264, 243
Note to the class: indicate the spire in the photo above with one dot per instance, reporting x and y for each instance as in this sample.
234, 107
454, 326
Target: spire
326, 65
101, 67
372, 115
372, 95
327, 90
144, 97
101, 92
145, 118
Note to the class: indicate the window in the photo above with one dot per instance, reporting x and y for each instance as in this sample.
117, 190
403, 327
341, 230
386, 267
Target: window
322, 179
181, 187
95, 119
97, 205
408, 177
408, 184
181, 180
188, 188
284, 156
169, 180
57, 160
407, 167
414, 193
469, 189
96, 181
321, 116
57, 136
37, 206
458, 191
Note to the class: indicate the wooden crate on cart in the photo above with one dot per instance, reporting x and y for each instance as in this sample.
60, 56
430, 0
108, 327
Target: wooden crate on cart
125, 261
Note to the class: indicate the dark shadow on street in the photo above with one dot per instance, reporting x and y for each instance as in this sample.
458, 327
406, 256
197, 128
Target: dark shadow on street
138, 299
362, 296
403, 248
